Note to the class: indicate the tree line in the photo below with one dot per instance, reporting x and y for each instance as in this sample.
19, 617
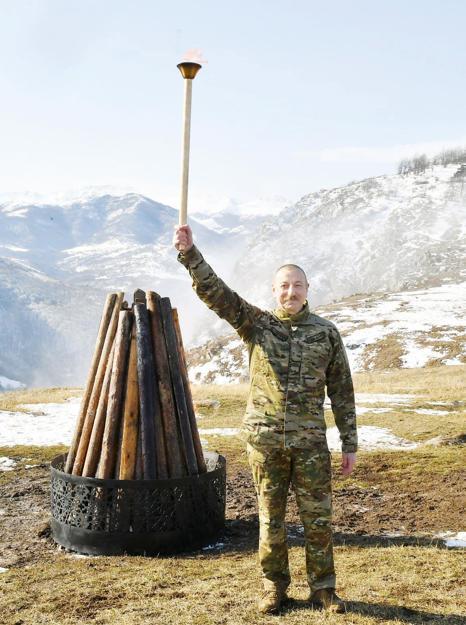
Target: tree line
420, 162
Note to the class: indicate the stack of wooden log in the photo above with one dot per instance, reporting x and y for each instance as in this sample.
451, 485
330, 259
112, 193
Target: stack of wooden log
136, 419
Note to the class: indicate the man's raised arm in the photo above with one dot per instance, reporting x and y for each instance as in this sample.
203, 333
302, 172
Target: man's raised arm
212, 290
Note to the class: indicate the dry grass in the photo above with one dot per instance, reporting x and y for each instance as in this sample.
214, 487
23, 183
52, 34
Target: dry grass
32, 454
229, 413
436, 383
446, 384
404, 421
384, 585
412, 464
394, 585
386, 353
414, 426
12, 400
28, 455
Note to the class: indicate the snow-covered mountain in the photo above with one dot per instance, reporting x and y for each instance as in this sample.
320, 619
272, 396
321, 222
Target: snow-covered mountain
58, 260
377, 240
423, 327
241, 219
380, 236
47, 326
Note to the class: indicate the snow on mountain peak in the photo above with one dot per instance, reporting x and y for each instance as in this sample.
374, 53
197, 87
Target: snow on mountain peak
58, 260
385, 233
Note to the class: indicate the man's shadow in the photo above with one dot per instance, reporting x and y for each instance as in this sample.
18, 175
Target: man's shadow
381, 611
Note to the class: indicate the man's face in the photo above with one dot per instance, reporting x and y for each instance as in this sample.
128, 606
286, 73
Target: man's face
290, 289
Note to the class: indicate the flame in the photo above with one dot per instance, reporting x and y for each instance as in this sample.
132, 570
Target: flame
194, 55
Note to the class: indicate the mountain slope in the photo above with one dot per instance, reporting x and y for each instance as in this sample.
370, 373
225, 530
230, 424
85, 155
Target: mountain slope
58, 261
423, 327
387, 233
380, 236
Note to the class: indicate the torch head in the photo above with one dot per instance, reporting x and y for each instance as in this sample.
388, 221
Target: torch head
189, 69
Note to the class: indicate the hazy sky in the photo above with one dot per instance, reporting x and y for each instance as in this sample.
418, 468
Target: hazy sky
295, 96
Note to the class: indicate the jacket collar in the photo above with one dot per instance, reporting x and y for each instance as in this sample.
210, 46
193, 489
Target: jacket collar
303, 316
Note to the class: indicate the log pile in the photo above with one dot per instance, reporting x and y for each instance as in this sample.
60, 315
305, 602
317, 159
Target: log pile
136, 419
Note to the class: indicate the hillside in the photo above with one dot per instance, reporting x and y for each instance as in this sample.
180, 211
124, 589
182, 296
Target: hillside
389, 234
379, 237
386, 261
58, 261
422, 327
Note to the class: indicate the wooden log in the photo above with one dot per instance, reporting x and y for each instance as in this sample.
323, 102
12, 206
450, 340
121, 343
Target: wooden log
139, 297
189, 398
160, 449
96, 389
177, 384
172, 437
119, 442
104, 323
95, 442
129, 439
139, 474
147, 398
115, 396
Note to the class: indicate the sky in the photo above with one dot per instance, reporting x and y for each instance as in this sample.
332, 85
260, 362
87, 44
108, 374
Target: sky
295, 96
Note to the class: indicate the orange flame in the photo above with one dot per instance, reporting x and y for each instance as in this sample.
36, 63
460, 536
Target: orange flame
194, 55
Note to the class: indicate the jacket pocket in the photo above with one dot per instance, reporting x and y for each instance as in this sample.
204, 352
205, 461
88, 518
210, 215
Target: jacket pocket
314, 337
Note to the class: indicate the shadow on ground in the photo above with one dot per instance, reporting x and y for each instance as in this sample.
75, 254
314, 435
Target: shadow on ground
384, 612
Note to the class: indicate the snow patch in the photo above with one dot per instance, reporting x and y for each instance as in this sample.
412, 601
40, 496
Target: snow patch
48, 424
452, 539
418, 355
219, 431
7, 464
371, 438
362, 410
429, 411
382, 398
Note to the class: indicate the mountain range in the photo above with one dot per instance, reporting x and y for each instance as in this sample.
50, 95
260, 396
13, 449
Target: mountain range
57, 262
372, 240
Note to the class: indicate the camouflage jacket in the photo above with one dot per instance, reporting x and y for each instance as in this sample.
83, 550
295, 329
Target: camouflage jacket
291, 361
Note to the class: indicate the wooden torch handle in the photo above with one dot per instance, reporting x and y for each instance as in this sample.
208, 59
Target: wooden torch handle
188, 89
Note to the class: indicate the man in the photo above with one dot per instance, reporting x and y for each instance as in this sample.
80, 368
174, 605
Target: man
293, 356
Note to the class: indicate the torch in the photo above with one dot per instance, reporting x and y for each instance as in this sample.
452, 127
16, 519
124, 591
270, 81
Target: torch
188, 70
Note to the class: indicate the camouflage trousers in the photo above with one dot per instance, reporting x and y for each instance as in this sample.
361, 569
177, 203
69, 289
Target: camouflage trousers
309, 473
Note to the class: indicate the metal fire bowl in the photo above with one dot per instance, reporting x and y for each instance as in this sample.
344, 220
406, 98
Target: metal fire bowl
138, 517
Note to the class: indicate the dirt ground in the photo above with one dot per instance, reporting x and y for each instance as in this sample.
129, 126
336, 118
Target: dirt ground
371, 508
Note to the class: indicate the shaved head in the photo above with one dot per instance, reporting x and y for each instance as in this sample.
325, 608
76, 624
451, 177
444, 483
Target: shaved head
290, 267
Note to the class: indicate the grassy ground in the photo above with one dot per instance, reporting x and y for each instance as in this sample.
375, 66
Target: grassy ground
415, 492
392, 585
13, 400
442, 383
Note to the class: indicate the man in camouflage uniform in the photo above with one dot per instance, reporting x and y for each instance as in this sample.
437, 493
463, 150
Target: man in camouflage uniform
293, 356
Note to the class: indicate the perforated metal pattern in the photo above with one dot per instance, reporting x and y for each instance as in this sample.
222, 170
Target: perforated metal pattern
137, 516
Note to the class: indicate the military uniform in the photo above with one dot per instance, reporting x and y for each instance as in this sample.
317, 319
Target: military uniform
292, 358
